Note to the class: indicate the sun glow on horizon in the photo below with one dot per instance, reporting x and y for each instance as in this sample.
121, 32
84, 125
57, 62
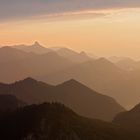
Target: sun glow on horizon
103, 32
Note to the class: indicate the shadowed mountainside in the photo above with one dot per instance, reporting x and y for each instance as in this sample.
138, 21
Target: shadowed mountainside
129, 119
100, 74
55, 121
73, 94
9, 103
104, 77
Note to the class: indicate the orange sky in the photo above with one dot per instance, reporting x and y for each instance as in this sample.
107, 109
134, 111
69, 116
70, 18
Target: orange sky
104, 33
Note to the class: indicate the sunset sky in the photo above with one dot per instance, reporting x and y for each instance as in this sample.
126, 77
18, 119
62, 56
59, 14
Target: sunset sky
101, 27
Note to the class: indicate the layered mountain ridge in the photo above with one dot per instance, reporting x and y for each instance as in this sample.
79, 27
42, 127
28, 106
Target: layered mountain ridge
73, 94
63, 64
55, 121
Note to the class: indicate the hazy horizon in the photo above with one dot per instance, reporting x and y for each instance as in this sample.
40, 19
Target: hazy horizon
70, 69
103, 28
90, 53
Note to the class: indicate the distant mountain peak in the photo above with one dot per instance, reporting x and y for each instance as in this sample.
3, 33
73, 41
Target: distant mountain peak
37, 44
28, 80
36, 47
103, 60
83, 53
73, 82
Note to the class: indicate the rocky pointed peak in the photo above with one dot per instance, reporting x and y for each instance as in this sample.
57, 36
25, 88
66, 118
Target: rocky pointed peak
83, 53
37, 44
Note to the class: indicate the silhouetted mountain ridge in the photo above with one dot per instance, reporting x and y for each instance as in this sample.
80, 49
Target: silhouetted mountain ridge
100, 75
55, 121
35, 48
129, 119
75, 95
72, 55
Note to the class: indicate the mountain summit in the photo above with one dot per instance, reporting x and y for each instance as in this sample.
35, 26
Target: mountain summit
34, 48
37, 44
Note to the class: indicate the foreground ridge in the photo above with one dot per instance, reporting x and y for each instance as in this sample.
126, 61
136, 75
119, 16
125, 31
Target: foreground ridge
55, 121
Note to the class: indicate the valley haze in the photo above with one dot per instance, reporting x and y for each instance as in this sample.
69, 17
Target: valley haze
69, 70
114, 76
